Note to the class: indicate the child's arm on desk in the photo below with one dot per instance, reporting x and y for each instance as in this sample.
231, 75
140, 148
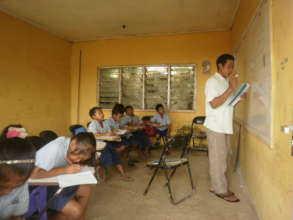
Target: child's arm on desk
41, 173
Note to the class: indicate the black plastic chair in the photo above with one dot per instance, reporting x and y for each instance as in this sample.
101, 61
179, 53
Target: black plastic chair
198, 135
170, 166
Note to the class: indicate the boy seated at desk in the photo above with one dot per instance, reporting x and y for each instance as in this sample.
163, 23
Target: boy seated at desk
65, 156
136, 124
161, 122
17, 159
110, 155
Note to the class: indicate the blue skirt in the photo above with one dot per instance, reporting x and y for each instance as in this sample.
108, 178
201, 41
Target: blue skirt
62, 199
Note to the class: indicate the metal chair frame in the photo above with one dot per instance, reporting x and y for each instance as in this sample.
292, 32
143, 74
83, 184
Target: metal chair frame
169, 170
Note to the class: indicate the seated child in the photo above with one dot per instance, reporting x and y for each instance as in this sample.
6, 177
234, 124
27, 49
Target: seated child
110, 155
17, 158
140, 137
161, 122
65, 156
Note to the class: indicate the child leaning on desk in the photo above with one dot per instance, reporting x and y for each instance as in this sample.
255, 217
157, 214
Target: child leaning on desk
65, 156
17, 158
110, 155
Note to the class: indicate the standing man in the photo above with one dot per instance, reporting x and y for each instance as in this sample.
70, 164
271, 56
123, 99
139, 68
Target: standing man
219, 124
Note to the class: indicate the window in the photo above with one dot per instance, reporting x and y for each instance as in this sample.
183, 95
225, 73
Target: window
145, 86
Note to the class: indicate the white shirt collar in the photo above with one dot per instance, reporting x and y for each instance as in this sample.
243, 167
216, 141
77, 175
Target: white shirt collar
219, 75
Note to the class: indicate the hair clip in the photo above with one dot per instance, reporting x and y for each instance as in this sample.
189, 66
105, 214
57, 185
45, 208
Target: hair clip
16, 161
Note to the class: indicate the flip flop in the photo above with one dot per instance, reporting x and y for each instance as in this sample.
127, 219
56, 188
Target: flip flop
227, 195
224, 197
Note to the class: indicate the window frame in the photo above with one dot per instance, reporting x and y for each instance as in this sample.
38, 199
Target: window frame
99, 82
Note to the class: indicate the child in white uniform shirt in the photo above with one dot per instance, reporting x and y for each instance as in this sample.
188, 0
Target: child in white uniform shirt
65, 156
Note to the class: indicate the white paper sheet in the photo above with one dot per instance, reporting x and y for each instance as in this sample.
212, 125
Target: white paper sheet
76, 179
86, 176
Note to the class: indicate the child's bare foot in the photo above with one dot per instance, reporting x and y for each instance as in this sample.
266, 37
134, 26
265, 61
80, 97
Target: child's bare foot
127, 178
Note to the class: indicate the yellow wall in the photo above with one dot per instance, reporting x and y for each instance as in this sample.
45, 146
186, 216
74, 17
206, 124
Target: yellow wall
34, 76
178, 49
268, 171
243, 17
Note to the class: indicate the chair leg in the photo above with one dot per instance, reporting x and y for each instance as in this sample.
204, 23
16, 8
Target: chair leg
190, 176
151, 180
169, 187
172, 173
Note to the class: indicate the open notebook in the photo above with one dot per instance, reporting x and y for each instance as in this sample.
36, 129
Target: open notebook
237, 95
85, 176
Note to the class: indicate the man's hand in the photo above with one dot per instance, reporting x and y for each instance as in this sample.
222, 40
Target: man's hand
233, 82
243, 97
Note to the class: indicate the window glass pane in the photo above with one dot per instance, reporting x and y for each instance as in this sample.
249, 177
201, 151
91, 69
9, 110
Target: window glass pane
156, 86
182, 87
109, 87
132, 86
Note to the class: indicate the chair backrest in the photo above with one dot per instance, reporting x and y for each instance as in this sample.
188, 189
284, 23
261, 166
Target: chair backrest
199, 120
165, 149
186, 144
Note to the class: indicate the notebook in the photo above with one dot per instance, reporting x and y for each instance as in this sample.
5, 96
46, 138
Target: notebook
85, 176
237, 95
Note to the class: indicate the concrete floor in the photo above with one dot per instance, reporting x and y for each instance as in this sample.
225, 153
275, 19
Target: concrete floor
120, 200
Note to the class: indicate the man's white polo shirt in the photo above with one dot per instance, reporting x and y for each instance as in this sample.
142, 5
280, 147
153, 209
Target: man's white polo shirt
218, 119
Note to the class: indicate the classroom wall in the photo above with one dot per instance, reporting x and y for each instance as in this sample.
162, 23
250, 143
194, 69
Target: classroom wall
267, 170
178, 49
34, 76
243, 17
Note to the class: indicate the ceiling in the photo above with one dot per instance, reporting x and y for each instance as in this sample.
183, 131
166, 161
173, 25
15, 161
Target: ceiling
84, 20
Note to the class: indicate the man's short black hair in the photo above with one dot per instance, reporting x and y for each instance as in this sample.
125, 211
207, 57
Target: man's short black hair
223, 59
93, 110
159, 106
16, 149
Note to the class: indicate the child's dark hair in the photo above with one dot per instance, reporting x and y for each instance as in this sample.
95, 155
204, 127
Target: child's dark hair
73, 127
17, 155
48, 136
36, 141
93, 110
128, 107
159, 106
85, 142
223, 59
5, 130
118, 108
